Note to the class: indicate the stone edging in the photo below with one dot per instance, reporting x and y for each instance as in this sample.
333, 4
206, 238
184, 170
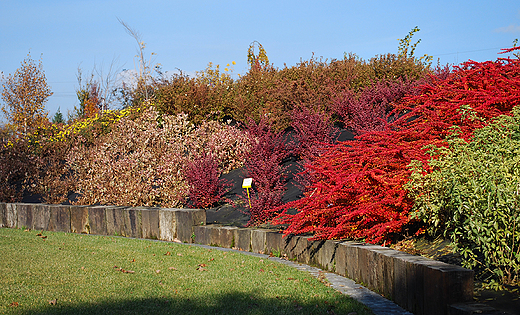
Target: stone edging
419, 285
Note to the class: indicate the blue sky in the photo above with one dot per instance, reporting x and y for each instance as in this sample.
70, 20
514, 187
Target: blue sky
186, 35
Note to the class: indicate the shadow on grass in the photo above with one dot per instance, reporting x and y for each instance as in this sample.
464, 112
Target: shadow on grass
234, 303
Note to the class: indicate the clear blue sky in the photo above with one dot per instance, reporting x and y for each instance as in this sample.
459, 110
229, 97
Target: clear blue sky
186, 35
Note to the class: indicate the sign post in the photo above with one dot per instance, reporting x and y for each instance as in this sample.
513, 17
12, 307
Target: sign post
247, 184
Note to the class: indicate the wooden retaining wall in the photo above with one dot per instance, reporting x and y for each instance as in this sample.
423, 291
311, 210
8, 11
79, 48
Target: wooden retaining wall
418, 284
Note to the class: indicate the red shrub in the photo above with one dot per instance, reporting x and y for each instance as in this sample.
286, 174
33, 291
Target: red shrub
313, 131
366, 110
263, 165
203, 177
358, 191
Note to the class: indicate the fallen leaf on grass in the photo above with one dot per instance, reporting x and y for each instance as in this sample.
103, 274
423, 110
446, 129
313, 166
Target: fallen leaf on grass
179, 254
157, 271
167, 254
133, 260
261, 270
123, 270
172, 268
202, 265
211, 259
201, 269
14, 304
41, 236
53, 302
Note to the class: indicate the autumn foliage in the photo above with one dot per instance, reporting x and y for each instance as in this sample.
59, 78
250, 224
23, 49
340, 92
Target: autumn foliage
204, 182
263, 164
145, 160
24, 94
160, 155
358, 190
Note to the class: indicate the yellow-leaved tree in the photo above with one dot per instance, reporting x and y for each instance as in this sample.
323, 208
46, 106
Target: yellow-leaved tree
24, 95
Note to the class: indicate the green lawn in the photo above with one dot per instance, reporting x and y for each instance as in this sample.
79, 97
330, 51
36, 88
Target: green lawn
59, 273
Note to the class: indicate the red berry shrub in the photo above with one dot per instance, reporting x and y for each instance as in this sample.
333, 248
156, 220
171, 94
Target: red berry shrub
357, 189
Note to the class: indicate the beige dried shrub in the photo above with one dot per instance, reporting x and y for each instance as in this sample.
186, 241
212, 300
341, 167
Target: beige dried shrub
141, 162
134, 165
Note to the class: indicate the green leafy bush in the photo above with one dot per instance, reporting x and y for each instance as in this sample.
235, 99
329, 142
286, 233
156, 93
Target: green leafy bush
472, 196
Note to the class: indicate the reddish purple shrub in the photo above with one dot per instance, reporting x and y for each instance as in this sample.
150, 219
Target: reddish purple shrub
263, 165
205, 185
263, 201
367, 110
313, 131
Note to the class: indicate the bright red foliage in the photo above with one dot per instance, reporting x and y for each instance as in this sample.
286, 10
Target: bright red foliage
357, 191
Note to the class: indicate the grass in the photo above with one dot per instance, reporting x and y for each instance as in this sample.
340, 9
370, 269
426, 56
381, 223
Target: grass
60, 273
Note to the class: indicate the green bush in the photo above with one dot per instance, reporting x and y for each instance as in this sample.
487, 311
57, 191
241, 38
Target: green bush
469, 193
